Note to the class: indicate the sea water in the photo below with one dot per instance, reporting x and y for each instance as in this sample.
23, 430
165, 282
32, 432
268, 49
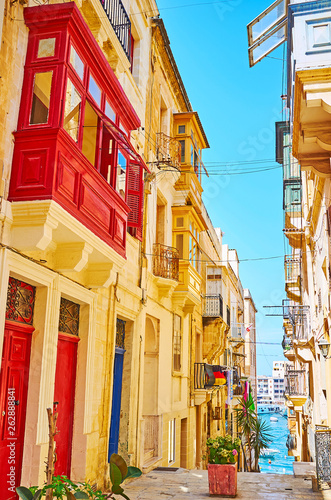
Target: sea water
281, 463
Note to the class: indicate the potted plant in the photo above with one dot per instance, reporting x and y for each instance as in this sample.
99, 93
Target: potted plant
222, 465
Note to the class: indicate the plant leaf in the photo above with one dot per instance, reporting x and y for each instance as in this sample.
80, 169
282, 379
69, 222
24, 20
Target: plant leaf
117, 489
115, 474
24, 493
120, 463
133, 472
81, 495
37, 494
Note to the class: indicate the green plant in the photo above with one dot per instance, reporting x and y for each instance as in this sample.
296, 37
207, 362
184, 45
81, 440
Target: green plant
62, 487
223, 450
255, 432
260, 439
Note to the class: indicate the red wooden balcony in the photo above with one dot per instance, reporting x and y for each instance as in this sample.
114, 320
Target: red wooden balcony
72, 143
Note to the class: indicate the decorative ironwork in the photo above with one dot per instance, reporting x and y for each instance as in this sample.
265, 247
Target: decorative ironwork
120, 22
297, 315
69, 317
168, 151
295, 382
323, 457
165, 262
120, 333
20, 301
212, 306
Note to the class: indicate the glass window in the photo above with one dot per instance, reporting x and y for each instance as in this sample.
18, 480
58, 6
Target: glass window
192, 155
179, 221
76, 63
90, 132
106, 155
181, 129
71, 111
94, 90
110, 112
121, 174
41, 97
46, 47
182, 151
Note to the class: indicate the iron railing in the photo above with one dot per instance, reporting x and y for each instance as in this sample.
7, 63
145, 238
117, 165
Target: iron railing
323, 456
120, 22
165, 262
168, 151
212, 306
299, 318
295, 383
292, 269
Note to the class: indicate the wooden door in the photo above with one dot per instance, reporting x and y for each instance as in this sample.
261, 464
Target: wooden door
116, 405
14, 379
64, 396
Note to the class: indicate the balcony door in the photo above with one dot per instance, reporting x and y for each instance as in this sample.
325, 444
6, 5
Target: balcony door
214, 281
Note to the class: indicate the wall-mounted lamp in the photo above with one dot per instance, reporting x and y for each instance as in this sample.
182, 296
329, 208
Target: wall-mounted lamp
324, 345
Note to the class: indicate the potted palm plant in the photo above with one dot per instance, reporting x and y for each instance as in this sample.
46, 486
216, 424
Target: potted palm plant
222, 465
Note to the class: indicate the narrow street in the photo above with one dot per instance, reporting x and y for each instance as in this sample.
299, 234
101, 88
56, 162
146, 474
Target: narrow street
193, 484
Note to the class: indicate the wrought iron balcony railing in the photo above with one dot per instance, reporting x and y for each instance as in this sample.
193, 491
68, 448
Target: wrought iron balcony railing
299, 317
295, 383
168, 151
165, 262
120, 21
212, 306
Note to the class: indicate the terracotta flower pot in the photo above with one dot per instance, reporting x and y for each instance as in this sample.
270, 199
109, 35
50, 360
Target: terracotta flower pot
222, 479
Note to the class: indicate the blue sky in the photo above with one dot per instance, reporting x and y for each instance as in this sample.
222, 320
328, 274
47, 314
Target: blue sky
238, 107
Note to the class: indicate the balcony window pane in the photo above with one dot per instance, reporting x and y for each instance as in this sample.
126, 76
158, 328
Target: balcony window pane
106, 155
180, 244
46, 47
182, 151
181, 129
72, 111
90, 131
110, 112
94, 91
76, 63
41, 97
121, 174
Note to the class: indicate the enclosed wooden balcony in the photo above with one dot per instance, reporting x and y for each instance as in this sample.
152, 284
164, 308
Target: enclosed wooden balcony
292, 267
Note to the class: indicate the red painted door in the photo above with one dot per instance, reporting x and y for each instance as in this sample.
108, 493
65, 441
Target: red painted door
64, 395
14, 377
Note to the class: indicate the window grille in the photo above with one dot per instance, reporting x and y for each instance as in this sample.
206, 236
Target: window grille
120, 333
20, 301
69, 317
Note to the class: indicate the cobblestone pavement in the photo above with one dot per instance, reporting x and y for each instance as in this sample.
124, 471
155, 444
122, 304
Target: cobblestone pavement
193, 484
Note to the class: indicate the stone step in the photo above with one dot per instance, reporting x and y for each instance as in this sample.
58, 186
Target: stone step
148, 455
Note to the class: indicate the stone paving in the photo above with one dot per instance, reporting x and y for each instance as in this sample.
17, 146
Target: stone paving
184, 484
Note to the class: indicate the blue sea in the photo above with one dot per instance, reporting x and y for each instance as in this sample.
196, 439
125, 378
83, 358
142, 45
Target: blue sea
281, 463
